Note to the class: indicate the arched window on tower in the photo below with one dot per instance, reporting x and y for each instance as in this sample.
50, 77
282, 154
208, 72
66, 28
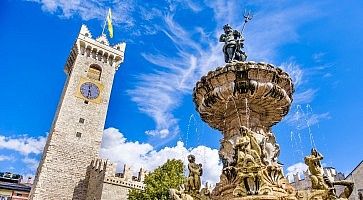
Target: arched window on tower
94, 72
360, 196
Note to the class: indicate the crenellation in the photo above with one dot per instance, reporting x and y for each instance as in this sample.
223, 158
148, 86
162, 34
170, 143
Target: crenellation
105, 183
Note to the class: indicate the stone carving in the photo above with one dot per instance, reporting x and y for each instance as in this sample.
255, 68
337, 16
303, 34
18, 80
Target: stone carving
322, 187
270, 149
244, 100
318, 180
248, 149
191, 189
179, 194
233, 44
193, 183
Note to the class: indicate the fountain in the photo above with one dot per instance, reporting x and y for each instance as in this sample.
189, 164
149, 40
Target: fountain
244, 100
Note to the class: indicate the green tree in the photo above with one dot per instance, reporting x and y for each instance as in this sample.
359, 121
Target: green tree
158, 182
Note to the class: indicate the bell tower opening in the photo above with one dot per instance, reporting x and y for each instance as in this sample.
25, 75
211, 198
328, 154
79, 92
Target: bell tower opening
94, 72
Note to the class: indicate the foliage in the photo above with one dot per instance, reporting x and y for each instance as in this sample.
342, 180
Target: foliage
158, 182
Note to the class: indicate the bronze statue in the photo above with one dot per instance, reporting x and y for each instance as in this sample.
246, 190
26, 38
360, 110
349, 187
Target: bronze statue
233, 45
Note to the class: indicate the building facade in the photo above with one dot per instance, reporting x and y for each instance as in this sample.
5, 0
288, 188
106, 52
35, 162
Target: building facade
12, 187
106, 184
70, 163
304, 182
356, 176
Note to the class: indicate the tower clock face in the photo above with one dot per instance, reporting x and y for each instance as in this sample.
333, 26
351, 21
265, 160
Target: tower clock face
90, 90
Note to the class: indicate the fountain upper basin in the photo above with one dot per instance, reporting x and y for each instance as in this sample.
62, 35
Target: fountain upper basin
256, 95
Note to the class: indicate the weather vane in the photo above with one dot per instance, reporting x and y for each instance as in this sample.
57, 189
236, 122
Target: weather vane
248, 16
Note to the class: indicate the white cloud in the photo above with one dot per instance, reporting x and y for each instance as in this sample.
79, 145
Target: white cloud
197, 49
276, 24
23, 144
116, 148
5, 158
294, 71
31, 163
298, 168
90, 9
318, 57
305, 96
159, 93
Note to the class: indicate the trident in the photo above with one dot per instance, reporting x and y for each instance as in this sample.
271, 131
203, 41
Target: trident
248, 16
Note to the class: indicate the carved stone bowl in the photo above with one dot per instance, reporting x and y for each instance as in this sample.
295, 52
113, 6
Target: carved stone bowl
256, 95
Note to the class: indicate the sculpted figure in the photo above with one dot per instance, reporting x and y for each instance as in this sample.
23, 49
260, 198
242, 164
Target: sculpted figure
233, 44
270, 150
195, 172
248, 149
317, 173
248, 157
179, 194
205, 192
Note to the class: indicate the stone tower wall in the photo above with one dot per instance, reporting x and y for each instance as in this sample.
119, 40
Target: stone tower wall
111, 192
104, 185
62, 173
98, 170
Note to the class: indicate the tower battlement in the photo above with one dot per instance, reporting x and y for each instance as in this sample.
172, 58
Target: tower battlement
97, 48
104, 182
108, 169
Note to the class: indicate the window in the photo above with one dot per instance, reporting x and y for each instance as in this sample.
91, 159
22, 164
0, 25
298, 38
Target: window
94, 72
360, 196
81, 120
85, 102
78, 134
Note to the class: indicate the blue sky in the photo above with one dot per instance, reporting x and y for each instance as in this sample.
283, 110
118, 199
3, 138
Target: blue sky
170, 45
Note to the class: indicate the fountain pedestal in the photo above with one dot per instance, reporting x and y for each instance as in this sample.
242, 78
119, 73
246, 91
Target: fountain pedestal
244, 100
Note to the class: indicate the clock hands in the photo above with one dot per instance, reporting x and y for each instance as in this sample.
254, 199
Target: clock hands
89, 90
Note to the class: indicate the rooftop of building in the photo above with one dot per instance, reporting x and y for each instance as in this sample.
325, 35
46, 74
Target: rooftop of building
15, 186
355, 168
10, 177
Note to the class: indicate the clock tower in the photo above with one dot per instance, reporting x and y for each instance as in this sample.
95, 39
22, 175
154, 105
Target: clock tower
76, 133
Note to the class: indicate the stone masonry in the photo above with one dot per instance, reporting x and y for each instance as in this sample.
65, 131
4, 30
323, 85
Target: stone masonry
304, 183
105, 184
75, 136
356, 176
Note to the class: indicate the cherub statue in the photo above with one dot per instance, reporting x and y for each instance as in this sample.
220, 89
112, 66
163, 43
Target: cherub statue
195, 172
